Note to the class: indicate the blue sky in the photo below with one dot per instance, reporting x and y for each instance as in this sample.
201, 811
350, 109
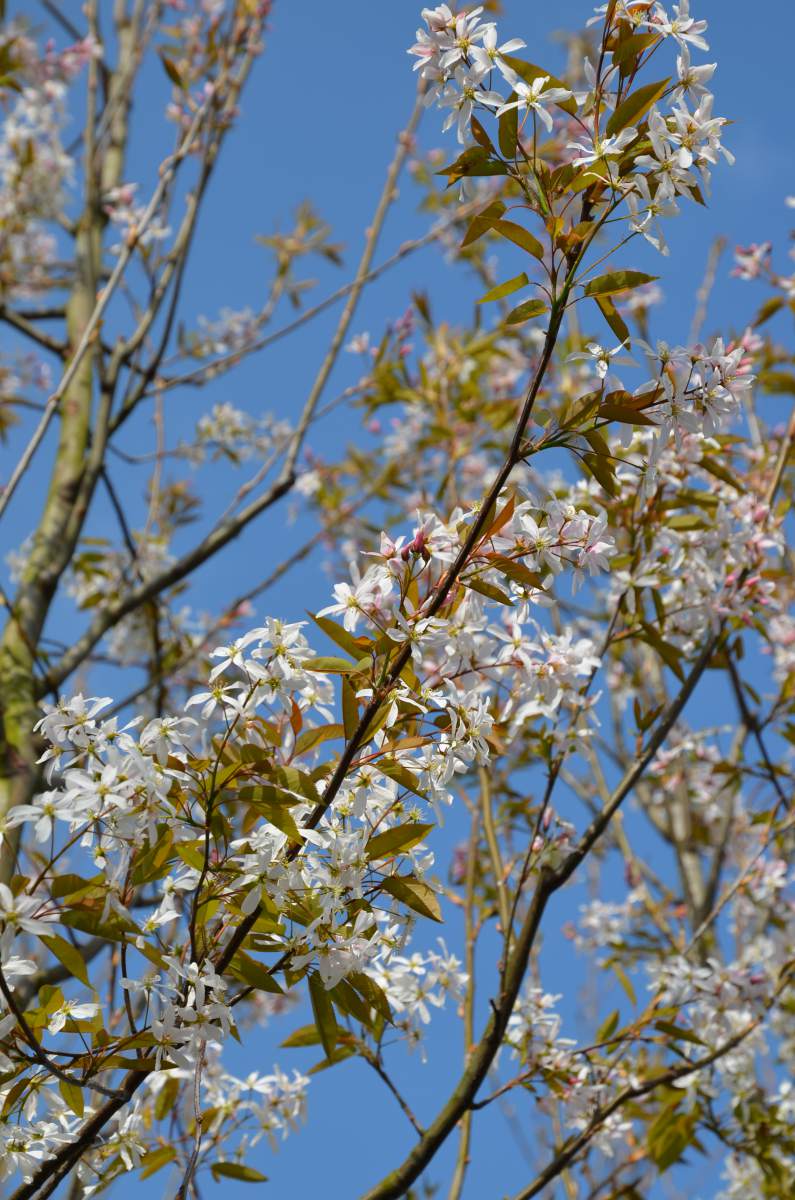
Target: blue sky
319, 121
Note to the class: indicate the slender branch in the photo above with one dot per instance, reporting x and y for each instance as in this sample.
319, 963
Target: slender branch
232, 526
167, 172
470, 935
375, 1062
634, 1092
205, 374
32, 332
39, 1054
494, 852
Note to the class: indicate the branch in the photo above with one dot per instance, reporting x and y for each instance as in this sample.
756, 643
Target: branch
665, 1078
232, 526
31, 331
167, 171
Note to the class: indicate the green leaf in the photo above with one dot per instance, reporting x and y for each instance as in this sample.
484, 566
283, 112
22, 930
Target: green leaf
516, 571
768, 309
340, 1054
483, 222
488, 589
631, 47
254, 973
608, 1027
278, 814
348, 1001
323, 1011
624, 980
624, 414
720, 471
613, 317
307, 1035
415, 894
395, 841
597, 443
670, 655
73, 1095
529, 72
617, 281
373, 993
636, 105
166, 1097
233, 1170
474, 161
678, 1033
508, 132
778, 382
172, 71
687, 521
523, 312
329, 665
602, 471
354, 646
313, 737
479, 134
155, 1159
67, 954
68, 885
505, 289
394, 769
520, 237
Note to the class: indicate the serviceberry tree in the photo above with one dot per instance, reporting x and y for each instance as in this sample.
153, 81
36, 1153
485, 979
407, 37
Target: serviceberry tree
541, 567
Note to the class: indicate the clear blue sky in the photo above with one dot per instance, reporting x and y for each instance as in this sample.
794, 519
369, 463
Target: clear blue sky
319, 121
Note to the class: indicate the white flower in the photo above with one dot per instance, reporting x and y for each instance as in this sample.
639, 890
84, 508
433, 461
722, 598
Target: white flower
532, 97
489, 55
600, 357
682, 26
597, 148
23, 912
70, 1010
462, 94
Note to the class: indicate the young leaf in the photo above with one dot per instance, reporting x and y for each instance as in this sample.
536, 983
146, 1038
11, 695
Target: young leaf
483, 222
523, 312
415, 894
254, 973
505, 289
520, 237
394, 769
329, 665
373, 993
602, 471
631, 47
617, 281
172, 71
636, 105
624, 980
323, 1011
628, 416
155, 1159
508, 131
608, 1027
670, 655
234, 1170
613, 317
307, 1035
356, 647
67, 954
73, 1095
394, 841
